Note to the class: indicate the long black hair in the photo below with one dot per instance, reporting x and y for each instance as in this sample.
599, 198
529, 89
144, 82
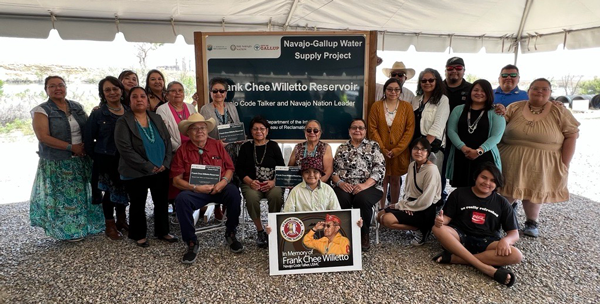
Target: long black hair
489, 94
438, 91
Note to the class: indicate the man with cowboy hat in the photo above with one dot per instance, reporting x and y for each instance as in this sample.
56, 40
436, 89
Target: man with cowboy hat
311, 194
332, 242
402, 73
201, 149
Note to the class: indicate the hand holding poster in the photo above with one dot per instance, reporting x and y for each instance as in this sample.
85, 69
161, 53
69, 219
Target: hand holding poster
231, 132
287, 176
310, 242
204, 175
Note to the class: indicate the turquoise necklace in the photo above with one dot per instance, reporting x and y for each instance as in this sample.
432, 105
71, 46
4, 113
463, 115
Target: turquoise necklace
150, 137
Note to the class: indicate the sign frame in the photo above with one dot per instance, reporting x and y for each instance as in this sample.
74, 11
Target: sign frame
370, 62
276, 236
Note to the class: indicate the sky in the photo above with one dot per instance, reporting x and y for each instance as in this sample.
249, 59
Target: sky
122, 54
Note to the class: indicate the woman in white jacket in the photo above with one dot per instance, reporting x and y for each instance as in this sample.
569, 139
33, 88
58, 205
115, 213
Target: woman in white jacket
431, 108
174, 111
422, 190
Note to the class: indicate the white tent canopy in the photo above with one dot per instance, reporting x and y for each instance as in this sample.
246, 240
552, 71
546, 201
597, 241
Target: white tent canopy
430, 25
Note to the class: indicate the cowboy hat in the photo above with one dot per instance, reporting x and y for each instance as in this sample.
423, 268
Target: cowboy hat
399, 66
194, 118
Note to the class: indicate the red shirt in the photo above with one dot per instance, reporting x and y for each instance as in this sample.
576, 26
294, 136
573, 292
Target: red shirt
214, 154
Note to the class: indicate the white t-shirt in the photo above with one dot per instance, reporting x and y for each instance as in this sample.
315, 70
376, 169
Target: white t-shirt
76, 137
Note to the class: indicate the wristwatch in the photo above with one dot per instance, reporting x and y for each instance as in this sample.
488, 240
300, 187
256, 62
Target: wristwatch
479, 152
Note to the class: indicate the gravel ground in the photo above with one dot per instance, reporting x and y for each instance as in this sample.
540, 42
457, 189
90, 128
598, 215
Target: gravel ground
559, 267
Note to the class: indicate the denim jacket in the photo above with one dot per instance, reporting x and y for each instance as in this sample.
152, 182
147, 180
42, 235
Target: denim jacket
58, 126
99, 136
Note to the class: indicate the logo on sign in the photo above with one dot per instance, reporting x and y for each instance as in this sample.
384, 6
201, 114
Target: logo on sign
233, 47
292, 229
266, 47
209, 47
478, 218
257, 47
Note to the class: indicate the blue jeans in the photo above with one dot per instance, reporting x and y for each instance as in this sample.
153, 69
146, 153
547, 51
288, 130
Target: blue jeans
189, 201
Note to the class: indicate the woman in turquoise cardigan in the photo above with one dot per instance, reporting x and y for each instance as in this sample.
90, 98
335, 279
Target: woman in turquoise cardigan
474, 130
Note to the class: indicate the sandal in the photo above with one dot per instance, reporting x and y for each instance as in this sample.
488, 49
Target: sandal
446, 257
501, 274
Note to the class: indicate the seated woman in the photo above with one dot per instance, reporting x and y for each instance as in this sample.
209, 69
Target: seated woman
469, 227
256, 169
312, 194
144, 146
416, 211
358, 172
193, 197
313, 147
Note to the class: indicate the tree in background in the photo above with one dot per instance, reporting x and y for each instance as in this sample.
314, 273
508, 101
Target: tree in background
570, 83
590, 87
143, 49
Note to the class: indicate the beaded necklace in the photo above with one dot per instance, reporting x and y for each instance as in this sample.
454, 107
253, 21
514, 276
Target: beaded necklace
223, 119
150, 137
263, 156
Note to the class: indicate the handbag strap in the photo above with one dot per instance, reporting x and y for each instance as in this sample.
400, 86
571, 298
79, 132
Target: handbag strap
415, 178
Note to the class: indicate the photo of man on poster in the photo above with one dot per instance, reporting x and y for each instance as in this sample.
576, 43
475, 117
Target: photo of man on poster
332, 241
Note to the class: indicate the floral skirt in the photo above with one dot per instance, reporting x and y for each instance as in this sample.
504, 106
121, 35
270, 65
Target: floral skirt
61, 199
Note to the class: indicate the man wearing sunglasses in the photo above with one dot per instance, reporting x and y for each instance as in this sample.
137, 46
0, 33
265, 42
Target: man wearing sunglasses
508, 91
332, 242
402, 73
457, 87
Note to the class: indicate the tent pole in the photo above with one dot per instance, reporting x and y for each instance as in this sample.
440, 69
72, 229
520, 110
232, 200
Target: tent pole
521, 27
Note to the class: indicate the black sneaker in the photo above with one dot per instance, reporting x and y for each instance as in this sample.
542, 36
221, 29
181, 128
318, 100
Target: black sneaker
234, 245
262, 239
419, 238
190, 256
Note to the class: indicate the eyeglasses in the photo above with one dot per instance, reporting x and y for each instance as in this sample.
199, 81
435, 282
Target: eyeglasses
219, 91
259, 129
512, 75
393, 90
454, 67
52, 86
397, 74
316, 131
113, 89
538, 89
430, 80
359, 128
417, 149
198, 129
177, 91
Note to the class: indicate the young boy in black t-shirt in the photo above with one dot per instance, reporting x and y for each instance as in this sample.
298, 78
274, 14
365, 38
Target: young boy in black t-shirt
469, 227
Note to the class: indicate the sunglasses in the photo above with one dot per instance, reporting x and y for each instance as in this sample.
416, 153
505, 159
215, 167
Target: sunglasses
455, 67
430, 80
393, 90
512, 75
329, 225
219, 91
316, 131
395, 74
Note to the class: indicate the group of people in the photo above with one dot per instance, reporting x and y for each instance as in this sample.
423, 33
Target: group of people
495, 146
149, 138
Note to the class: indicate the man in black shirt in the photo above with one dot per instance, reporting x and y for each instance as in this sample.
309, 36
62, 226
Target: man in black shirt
469, 227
